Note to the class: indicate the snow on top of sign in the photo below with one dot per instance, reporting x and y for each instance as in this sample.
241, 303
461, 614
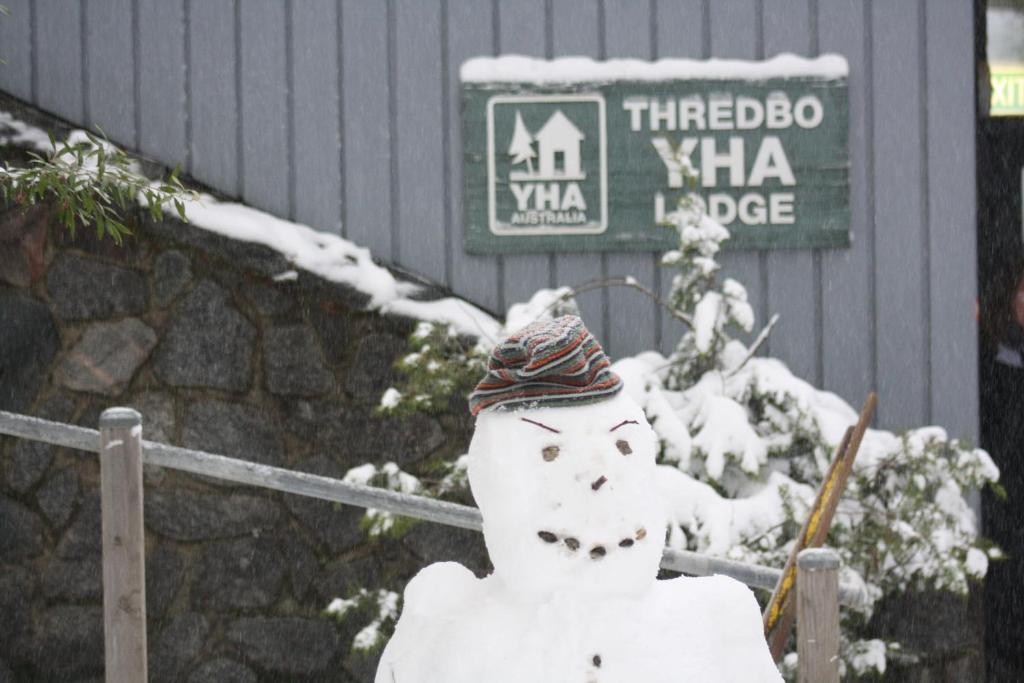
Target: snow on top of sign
328, 256
518, 69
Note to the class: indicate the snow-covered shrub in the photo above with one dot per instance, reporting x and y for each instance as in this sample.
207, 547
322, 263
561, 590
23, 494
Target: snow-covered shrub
438, 364
387, 476
745, 445
695, 296
381, 607
447, 478
760, 441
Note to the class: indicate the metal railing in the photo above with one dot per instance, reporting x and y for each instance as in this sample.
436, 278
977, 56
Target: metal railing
122, 453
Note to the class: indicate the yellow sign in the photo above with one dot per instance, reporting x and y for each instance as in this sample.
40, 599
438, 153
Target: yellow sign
1007, 89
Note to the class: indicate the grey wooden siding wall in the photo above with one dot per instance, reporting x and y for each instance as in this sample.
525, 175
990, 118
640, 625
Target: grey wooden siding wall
345, 115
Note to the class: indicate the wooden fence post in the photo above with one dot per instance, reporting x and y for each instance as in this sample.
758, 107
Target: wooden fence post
817, 618
124, 579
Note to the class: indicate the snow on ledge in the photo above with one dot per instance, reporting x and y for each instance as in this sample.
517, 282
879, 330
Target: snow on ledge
337, 260
518, 69
326, 255
15, 133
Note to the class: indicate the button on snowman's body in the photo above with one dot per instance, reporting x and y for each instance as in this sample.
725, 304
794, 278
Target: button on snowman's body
575, 532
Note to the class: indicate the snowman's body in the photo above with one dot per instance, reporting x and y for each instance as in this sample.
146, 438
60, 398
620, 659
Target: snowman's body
575, 531
459, 629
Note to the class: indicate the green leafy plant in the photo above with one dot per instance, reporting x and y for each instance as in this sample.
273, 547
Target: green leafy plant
439, 364
378, 609
91, 183
446, 478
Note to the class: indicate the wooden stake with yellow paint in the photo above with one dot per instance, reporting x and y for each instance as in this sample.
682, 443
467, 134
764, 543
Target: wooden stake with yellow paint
781, 610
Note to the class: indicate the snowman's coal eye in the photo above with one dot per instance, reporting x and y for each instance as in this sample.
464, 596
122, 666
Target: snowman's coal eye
623, 447
550, 453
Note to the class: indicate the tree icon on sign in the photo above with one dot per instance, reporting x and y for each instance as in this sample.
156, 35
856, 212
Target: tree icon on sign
521, 147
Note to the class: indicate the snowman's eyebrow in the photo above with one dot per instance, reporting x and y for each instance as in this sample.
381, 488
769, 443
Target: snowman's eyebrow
623, 423
540, 424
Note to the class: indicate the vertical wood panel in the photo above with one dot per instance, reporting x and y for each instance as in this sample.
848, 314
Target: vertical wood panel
733, 28
317, 122
266, 161
631, 316
679, 28
16, 49
679, 33
952, 201
574, 31
365, 120
420, 156
847, 274
574, 28
522, 26
469, 35
786, 27
110, 72
213, 94
59, 58
162, 71
900, 235
791, 281
734, 33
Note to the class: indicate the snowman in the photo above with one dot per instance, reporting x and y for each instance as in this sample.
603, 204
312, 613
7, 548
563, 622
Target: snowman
562, 466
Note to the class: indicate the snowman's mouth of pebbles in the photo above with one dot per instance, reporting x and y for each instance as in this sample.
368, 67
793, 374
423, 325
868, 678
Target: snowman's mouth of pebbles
597, 550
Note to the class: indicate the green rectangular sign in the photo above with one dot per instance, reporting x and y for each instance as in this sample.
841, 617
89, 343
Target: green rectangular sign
577, 155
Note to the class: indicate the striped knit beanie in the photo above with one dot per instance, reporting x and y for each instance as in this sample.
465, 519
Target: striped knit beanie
548, 363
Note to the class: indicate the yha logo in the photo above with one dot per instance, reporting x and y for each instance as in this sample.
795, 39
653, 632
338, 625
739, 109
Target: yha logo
547, 165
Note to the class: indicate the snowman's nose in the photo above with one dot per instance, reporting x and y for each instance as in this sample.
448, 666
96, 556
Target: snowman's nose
599, 482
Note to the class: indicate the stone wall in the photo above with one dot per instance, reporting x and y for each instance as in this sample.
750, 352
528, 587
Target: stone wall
192, 330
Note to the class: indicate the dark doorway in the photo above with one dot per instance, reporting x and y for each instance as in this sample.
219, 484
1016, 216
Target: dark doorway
1001, 375
1000, 178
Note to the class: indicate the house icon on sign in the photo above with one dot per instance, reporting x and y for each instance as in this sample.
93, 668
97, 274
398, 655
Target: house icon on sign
558, 143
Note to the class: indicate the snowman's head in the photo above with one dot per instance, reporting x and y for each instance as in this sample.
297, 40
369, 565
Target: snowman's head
567, 490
